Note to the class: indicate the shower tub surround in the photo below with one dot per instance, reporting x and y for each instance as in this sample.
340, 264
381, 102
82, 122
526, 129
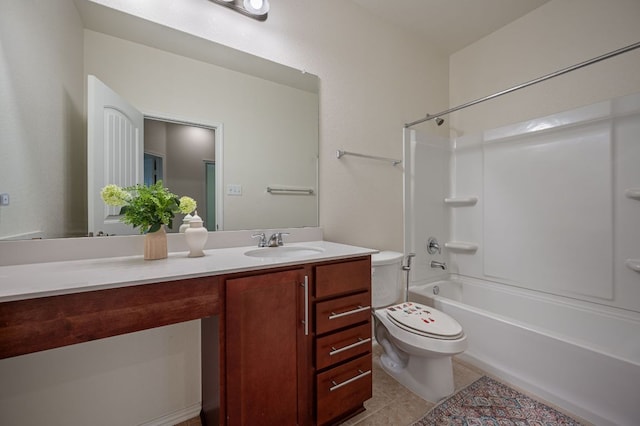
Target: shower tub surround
540, 223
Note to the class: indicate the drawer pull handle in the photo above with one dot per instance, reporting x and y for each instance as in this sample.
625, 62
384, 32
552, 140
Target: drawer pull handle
344, 314
360, 341
346, 382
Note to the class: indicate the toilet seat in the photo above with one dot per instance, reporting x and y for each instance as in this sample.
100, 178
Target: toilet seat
424, 321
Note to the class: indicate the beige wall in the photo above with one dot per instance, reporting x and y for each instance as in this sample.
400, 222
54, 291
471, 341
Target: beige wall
41, 125
557, 35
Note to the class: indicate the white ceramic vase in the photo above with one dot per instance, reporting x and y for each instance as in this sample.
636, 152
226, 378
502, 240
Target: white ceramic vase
185, 223
196, 236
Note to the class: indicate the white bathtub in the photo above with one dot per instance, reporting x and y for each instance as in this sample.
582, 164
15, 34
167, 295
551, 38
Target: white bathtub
579, 358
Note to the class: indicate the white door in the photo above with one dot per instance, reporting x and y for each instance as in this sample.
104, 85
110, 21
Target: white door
114, 153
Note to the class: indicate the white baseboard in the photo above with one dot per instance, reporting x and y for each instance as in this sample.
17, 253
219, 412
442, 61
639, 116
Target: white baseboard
176, 417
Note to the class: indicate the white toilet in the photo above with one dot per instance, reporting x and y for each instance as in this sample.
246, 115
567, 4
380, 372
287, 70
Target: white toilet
418, 340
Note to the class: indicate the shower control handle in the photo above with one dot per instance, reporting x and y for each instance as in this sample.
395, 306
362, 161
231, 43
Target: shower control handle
433, 246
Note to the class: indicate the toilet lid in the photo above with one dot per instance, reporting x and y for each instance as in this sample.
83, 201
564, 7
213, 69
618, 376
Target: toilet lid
424, 320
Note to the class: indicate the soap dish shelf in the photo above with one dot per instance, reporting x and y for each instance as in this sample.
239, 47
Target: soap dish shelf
461, 201
461, 246
633, 264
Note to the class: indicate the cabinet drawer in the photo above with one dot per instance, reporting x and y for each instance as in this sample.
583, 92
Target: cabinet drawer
343, 389
341, 278
342, 312
337, 347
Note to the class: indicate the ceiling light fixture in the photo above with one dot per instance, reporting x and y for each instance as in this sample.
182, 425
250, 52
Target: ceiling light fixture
256, 9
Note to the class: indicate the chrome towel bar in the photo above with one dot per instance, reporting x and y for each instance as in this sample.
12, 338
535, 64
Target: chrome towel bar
276, 191
341, 153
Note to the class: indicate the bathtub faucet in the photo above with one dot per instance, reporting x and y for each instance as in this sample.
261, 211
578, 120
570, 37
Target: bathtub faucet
440, 265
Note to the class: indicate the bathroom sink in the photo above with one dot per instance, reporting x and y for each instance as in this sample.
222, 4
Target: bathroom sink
283, 251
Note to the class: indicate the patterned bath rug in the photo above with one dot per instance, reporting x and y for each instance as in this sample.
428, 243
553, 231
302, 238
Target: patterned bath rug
491, 403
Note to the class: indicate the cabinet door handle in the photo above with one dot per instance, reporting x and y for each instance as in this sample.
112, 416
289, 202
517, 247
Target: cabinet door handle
306, 305
346, 382
344, 314
360, 341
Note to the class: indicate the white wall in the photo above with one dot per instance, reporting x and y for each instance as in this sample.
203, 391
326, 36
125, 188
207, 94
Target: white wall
41, 123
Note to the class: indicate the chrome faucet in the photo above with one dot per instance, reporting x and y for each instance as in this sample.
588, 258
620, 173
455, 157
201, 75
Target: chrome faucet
262, 242
441, 265
275, 240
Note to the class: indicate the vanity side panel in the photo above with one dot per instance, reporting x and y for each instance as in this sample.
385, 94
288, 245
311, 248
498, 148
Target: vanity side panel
212, 370
34, 325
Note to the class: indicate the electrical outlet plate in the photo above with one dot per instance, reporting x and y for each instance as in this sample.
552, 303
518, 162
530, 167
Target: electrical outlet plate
234, 189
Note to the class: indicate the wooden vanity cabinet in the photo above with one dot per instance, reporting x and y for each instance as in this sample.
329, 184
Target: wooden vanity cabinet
297, 345
266, 349
342, 339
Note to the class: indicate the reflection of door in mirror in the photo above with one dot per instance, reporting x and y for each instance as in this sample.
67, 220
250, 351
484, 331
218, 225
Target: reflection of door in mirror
114, 154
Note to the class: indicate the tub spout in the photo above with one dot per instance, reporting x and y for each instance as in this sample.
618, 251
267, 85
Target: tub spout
440, 265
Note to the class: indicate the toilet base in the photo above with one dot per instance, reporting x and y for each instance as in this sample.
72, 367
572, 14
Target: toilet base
429, 378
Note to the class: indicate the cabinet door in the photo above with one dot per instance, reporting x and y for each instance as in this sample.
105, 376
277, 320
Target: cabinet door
263, 332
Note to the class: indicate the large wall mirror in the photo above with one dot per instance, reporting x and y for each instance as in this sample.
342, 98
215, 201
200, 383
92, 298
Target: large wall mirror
263, 115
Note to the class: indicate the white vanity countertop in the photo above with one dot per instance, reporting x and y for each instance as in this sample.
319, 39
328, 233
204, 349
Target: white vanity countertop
28, 281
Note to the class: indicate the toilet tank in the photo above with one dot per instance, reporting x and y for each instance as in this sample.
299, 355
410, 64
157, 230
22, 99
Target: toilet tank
386, 278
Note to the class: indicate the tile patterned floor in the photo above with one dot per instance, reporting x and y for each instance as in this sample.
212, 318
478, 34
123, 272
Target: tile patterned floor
191, 422
392, 404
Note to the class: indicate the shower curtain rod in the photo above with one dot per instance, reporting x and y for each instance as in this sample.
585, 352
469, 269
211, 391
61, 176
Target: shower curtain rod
528, 83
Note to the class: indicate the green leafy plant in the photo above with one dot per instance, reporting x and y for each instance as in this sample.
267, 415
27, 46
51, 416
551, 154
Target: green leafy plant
147, 207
